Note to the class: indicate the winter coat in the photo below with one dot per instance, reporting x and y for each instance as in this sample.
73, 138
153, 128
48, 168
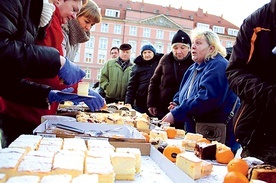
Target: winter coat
165, 82
53, 38
137, 90
210, 99
114, 80
20, 58
252, 76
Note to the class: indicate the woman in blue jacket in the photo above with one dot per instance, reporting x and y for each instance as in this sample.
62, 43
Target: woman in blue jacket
204, 94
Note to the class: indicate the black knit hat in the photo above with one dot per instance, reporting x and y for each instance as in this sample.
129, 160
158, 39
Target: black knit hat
148, 47
181, 37
125, 46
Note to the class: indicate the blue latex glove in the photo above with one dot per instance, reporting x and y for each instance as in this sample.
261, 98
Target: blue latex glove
56, 96
71, 73
96, 103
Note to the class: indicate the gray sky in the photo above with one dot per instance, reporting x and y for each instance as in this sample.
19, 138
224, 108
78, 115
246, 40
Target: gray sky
234, 11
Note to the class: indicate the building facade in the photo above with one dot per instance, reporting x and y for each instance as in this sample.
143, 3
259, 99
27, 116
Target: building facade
138, 23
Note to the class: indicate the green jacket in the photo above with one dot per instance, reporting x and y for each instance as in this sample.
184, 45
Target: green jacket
114, 80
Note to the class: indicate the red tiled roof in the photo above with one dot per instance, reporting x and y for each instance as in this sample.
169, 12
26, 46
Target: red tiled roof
198, 16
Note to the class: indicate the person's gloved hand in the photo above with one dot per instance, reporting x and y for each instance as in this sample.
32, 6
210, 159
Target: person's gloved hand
70, 73
57, 96
96, 103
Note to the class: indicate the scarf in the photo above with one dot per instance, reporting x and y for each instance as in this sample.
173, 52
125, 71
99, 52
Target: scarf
76, 33
123, 64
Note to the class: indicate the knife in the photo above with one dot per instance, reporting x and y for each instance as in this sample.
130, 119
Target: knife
70, 128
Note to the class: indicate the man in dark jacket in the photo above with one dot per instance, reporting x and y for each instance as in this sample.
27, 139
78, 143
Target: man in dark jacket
168, 74
252, 76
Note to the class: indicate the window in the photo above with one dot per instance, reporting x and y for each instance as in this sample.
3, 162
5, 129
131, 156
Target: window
169, 48
133, 31
202, 26
112, 13
90, 42
77, 58
171, 35
116, 42
104, 27
99, 74
229, 44
88, 58
218, 29
103, 43
159, 48
133, 49
146, 32
117, 29
233, 32
101, 59
144, 42
159, 34
133, 45
87, 73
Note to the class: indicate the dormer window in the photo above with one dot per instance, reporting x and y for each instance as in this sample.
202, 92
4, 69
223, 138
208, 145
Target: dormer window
112, 13
218, 29
233, 32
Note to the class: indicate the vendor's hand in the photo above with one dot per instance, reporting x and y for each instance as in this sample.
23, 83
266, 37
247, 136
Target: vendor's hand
172, 105
70, 73
56, 96
152, 111
96, 103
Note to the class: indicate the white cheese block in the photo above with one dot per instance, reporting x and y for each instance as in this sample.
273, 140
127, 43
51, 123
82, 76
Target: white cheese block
124, 165
190, 164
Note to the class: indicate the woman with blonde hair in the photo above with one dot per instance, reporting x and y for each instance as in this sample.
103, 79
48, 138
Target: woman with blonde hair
77, 30
204, 94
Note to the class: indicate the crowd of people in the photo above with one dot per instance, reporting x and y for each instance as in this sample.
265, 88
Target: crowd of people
192, 83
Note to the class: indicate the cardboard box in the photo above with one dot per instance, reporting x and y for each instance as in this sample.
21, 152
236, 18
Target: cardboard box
89, 130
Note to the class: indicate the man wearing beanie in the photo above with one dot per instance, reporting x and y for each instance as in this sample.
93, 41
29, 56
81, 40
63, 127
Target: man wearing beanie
115, 75
142, 71
168, 74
